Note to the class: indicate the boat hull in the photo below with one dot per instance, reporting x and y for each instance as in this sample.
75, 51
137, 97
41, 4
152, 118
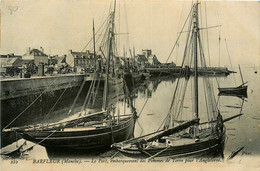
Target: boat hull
96, 139
209, 148
132, 79
234, 90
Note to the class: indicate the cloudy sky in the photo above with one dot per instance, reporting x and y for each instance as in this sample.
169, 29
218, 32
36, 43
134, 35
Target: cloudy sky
60, 25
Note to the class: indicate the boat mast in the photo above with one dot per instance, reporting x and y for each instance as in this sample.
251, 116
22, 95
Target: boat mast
241, 75
109, 54
134, 56
124, 59
113, 37
195, 39
95, 60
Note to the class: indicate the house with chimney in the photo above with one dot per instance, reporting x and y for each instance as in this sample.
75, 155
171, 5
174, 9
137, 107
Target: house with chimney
82, 60
146, 59
38, 56
10, 62
141, 61
58, 60
151, 58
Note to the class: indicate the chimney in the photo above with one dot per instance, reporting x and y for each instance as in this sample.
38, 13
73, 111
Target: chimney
28, 50
87, 51
70, 51
41, 49
149, 52
145, 53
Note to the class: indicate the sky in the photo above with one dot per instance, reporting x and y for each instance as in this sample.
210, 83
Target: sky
61, 25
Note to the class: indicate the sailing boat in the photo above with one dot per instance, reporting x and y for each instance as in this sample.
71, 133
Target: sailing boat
183, 133
240, 90
92, 131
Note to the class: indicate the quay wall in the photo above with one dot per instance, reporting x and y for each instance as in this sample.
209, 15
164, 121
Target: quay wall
17, 95
47, 99
14, 88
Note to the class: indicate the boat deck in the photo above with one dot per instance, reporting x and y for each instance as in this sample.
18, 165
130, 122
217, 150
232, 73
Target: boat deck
182, 139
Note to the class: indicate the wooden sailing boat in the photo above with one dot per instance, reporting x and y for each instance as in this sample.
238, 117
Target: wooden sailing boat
94, 131
240, 90
184, 137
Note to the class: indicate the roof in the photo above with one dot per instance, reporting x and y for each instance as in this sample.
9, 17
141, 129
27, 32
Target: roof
82, 54
36, 52
10, 56
23, 62
8, 62
153, 58
141, 58
59, 59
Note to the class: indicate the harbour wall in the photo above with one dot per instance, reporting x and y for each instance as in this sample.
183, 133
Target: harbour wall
46, 99
41, 99
14, 88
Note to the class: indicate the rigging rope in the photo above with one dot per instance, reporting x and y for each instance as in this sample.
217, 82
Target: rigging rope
95, 33
205, 85
48, 88
207, 32
182, 9
77, 96
57, 100
211, 91
230, 61
39, 142
219, 40
177, 84
96, 90
31, 103
183, 61
86, 99
92, 92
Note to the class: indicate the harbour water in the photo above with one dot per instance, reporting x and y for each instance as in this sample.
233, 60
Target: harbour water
156, 95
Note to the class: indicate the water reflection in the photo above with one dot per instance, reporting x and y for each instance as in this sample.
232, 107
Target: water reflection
242, 96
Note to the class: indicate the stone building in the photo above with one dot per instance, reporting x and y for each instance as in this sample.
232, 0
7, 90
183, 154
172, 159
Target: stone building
151, 58
10, 62
58, 60
38, 56
82, 60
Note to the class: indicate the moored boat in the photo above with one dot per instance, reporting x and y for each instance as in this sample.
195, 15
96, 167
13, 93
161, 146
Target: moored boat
183, 134
239, 90
86, 130
234, 90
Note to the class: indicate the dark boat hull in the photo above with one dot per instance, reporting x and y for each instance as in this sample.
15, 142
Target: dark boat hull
209, 148
132, 79
100, 138
234, 90
242, 96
